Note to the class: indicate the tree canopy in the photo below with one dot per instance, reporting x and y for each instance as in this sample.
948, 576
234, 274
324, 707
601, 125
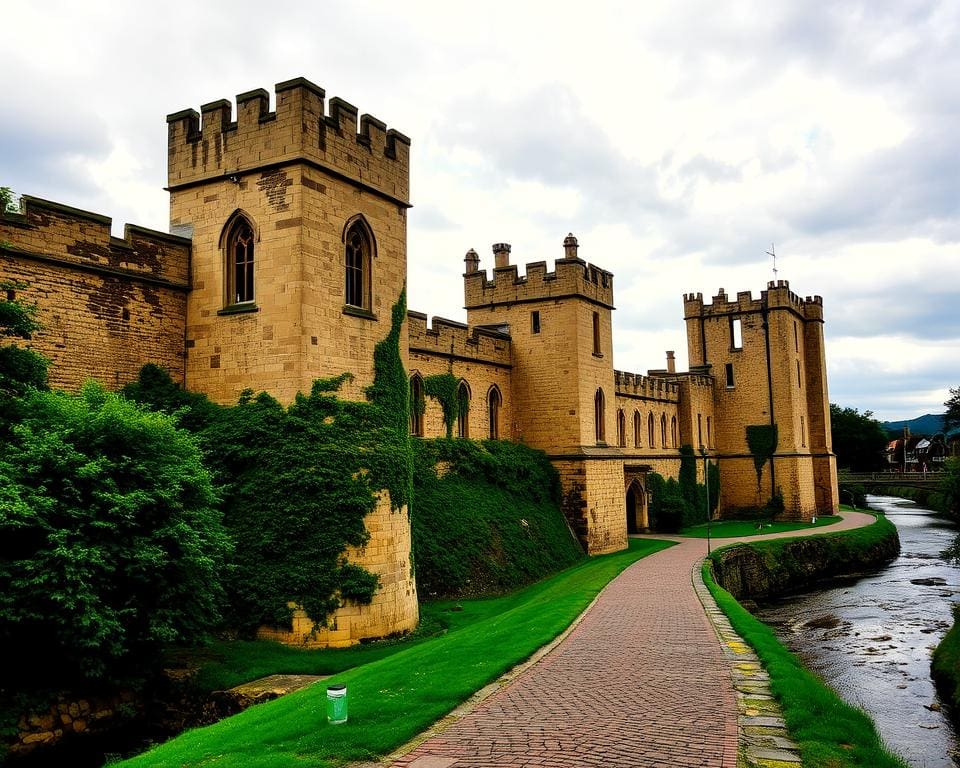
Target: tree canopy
858, 439
951, 418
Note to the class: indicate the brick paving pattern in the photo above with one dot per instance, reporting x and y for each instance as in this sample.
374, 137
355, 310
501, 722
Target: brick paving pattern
642, 681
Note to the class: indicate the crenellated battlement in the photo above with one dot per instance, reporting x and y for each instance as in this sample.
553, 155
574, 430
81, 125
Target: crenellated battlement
777, 296
648, 387
214, 144
43, 229
571, 277
448, 338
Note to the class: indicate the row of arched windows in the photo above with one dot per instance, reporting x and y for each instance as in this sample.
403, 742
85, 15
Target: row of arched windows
238, 241
652, 422
418, 404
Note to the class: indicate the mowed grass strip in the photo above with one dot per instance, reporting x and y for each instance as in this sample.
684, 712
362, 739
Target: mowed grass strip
395, 698
829, 732
730, 529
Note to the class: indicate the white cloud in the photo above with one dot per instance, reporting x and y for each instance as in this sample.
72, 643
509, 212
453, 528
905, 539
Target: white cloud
676, 140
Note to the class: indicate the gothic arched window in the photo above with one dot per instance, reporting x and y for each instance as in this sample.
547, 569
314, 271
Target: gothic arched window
417, 405
673, 432
240, 277
494, 401
636, 429
358, 250
598, 415
463, 410
663, 430
621, 428
650, 441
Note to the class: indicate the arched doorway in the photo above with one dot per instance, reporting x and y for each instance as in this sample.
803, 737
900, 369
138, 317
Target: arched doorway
637, 521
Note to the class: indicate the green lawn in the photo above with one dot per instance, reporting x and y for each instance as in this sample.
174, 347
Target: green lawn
394, 698
728, 529
829, 732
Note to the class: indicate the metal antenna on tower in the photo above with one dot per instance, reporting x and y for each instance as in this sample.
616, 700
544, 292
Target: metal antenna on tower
773, 252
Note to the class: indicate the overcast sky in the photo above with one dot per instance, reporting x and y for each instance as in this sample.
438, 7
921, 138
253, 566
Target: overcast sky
676, 140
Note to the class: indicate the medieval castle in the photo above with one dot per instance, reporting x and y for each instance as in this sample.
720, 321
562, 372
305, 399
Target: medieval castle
287, 250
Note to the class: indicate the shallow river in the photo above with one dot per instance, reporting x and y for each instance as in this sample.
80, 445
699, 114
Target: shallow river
871, 638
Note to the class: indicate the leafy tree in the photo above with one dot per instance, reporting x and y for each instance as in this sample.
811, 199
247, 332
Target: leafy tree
21, 369
858, 439
110, 542
951, 418
950, 486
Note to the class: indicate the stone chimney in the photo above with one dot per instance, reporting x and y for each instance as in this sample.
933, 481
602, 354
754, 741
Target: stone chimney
671, 363
570, 246
501, 255
471, 262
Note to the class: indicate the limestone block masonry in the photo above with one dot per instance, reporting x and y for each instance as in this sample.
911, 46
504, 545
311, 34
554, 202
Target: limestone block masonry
394, 609
290, 249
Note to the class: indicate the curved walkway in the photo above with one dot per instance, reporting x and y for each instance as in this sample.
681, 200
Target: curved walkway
642, 679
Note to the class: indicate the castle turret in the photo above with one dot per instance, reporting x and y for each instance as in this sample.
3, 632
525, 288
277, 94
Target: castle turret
767, 358
299, 229
562, 377
298, 222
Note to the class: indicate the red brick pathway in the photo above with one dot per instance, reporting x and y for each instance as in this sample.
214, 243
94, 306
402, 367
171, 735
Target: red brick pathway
641, 682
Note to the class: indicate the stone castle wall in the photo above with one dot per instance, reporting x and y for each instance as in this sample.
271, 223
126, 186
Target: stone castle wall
107, 306
394, 609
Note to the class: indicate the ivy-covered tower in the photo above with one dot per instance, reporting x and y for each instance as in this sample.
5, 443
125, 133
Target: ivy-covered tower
772, 410
562, 378
298, 223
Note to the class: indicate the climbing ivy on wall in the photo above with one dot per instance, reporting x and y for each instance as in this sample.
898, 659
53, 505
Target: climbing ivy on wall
296, 483
443, 388
486, 517
762, 442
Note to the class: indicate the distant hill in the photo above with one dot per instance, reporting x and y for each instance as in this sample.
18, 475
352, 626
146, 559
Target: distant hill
929, 424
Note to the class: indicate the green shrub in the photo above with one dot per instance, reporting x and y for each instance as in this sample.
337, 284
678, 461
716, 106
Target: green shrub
111, 545
853, 494
486, 517
21, 369
297, 483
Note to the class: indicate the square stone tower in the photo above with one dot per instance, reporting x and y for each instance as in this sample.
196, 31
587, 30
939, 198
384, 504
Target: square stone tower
767, 360
298, 221
562, 387
299, 229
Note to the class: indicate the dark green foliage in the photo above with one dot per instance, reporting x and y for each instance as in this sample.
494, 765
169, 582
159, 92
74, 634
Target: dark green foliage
21, 370
951, 418
486, 517
155, 387
443, 389
297, 482
853, 494
668, 509
858, 439
946, 665
675, 505
110, 542
688, 477
950, 487
713, 478
762, 442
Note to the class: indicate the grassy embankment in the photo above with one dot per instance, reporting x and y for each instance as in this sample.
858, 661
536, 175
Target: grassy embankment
946, 666
730, 529
394, 698
829, 732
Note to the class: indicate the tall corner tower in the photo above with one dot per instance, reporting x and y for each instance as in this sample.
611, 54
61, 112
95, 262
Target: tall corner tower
562, 386
299, 228
767, 359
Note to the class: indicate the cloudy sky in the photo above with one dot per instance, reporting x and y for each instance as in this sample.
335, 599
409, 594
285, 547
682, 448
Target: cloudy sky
677, 140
